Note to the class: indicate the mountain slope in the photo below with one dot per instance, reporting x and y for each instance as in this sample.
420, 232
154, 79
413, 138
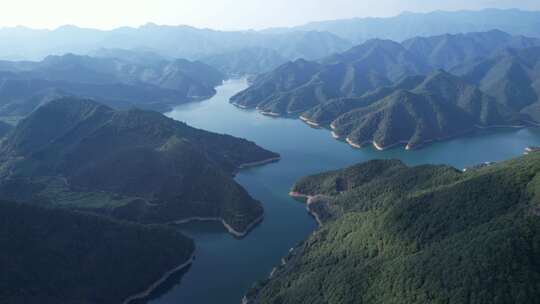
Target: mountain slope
513, 78
447, 51
441, 106
56, 256
369, 66
394, 234
135, 165
355, 72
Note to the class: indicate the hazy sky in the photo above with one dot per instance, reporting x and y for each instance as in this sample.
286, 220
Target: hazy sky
220, 14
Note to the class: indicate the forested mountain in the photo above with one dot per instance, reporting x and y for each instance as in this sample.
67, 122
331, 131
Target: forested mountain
427, 234
297, 86
248, 61
416, 111
119, 83
376, 93
409, 25
170, 41
447, 51
513, 78
134, 165
57, 256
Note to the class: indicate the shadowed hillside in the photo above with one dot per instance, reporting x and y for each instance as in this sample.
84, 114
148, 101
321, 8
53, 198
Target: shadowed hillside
135, 165
57, 256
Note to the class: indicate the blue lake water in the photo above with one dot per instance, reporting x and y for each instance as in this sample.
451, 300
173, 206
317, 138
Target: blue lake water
226, 267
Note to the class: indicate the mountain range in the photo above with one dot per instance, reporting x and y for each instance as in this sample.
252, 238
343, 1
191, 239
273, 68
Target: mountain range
121, 83
408, 25
376, 93
170, 41
311, 41
427, 234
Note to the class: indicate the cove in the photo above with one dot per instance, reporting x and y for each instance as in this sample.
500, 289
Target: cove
226, 267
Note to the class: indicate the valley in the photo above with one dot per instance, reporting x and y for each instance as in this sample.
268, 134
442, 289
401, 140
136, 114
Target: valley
270, 152
304, 151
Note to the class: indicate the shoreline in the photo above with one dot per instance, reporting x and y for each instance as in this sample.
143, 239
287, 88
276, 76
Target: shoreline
272, 114
309, 122
410, 147
146, 293
260, 162
240, 106
309, 200
229, 228
400, 143
353, 144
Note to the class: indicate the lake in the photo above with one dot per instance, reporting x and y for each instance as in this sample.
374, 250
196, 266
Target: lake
226, 267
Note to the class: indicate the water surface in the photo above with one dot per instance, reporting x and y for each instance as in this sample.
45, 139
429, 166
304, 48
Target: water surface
225, 267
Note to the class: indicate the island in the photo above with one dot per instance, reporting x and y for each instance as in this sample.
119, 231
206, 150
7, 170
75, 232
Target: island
391, 233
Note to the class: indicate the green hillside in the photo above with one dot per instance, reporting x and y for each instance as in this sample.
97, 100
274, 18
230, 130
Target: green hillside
416, 111
427, 234
135, 165
55, 256
512, 77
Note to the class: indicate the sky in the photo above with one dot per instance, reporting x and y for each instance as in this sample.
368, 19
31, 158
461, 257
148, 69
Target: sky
221, 14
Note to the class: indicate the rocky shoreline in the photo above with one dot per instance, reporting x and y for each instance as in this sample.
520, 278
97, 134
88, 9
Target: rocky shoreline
309, 122
310, 200
259, 163
146, 293
295, 252
230, 229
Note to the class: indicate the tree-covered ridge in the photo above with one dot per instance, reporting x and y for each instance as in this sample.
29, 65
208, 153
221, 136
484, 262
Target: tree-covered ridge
427, 234
135, 165
121, 83
58, 256
414, 112
387, 93
512, 78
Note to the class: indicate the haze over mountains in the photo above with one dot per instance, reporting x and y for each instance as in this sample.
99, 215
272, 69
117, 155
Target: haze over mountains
172, 41
408, 25
120, 82
311, 41
374, 93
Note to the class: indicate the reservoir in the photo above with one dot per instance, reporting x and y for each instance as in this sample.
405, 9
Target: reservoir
226, 267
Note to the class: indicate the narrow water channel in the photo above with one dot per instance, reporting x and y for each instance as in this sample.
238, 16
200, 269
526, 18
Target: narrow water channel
226, 267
